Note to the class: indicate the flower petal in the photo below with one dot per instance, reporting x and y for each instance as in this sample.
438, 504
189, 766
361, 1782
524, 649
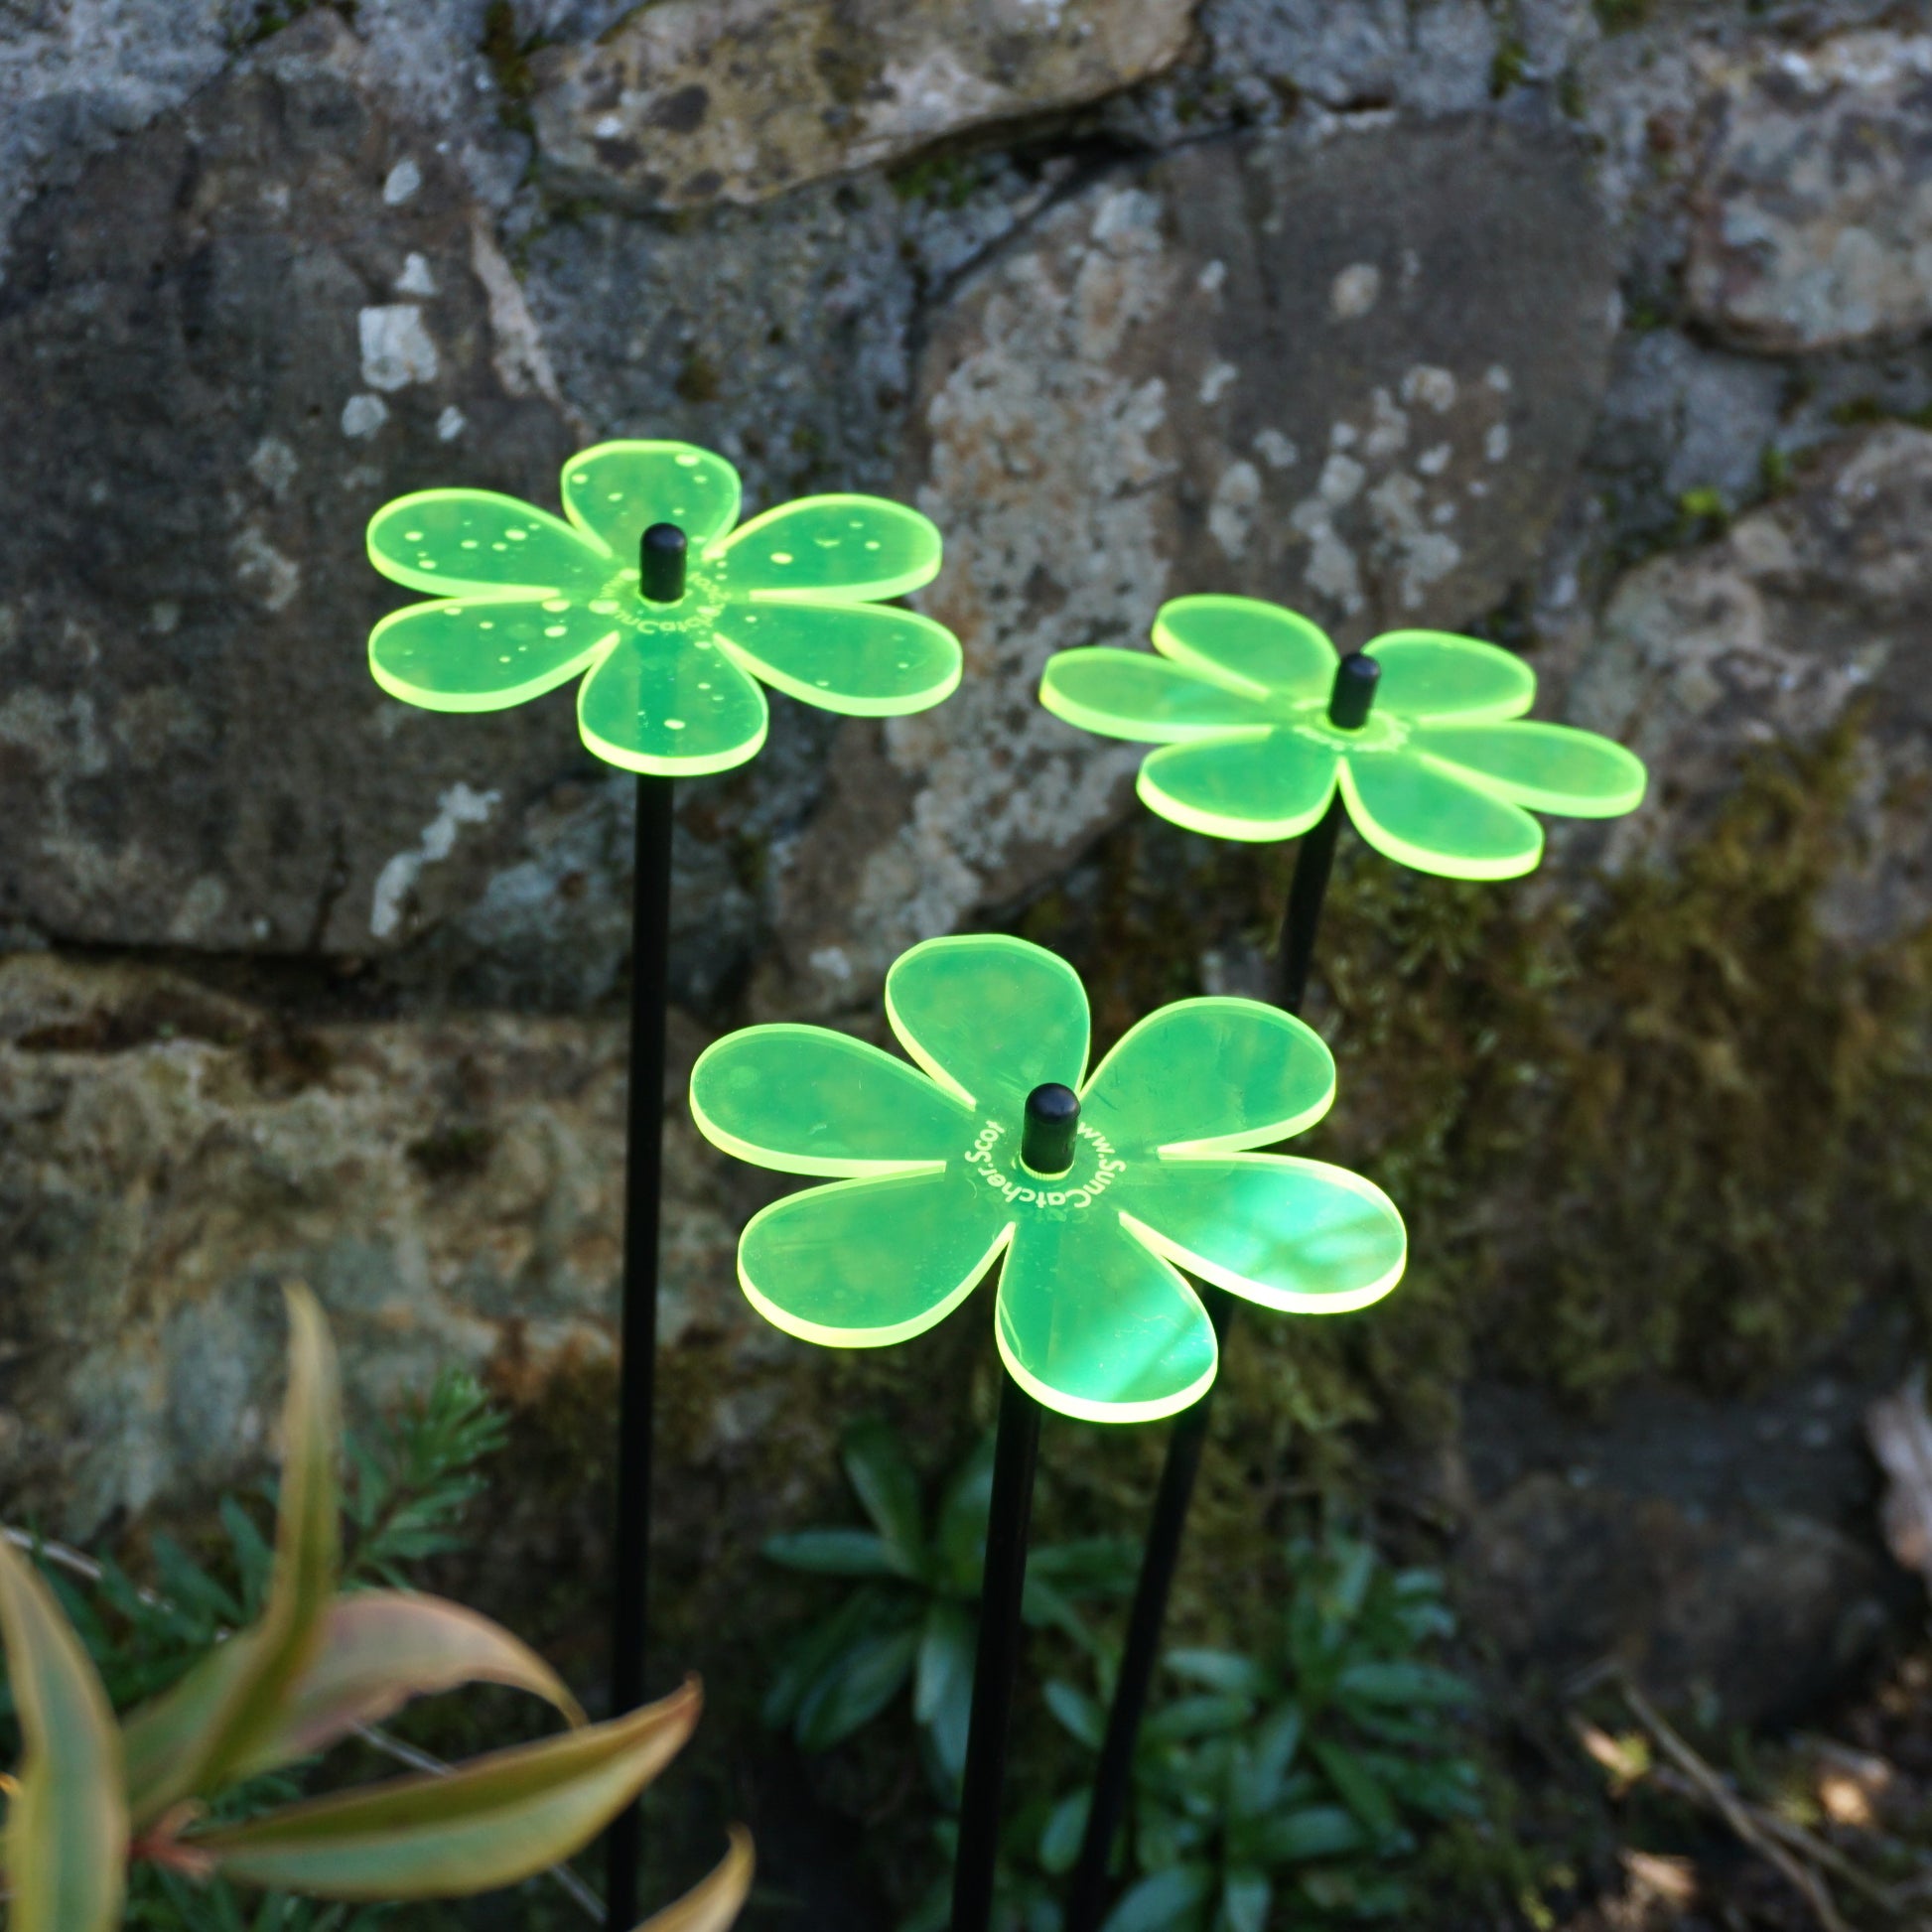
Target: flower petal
864, 1263
866, 660
1093, 1326
808, 1100
1211, 1075
458, 541
1549, 768
670, 707
1428, 675
1134, 694
845, 548
1269, 785
1422, 815
618, 490
1263, 645
1289, 1234
989, 1017
458, 656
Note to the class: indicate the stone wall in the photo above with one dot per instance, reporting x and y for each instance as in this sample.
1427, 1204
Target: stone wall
1598, 329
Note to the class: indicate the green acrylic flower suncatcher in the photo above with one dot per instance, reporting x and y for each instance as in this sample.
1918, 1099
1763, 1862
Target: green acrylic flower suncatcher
1092, 1318
1441, 775
672, 670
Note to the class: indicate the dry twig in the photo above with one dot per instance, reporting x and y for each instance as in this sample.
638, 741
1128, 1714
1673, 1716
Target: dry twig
1755, 1826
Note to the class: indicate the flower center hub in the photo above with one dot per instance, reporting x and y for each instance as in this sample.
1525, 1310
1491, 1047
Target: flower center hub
997, 1163
662, 553
1308, 717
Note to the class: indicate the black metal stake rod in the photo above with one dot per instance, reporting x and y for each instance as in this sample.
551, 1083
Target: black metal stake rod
1046, 1148
1086, 1899
661, 581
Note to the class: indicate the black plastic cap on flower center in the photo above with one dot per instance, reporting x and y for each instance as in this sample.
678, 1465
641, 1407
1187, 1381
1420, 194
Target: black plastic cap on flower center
660, 564
1052, 1123
1353, 692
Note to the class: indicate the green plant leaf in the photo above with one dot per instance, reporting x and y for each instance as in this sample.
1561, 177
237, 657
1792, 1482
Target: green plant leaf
383, 1647
1098, 1565
1219, 1670
64, 1846
855, 1687
1066, 1826
1259, 1781
888, 1488
1077, 1712
1166, 1899
831, 1552
1046, 1607
1245, 1897
1405, 1684
715, 1899
960, 1537
1196, 1717
1356, 1785
488, 1823
192, 1740
814, 1652
942, 1690
1313, 1831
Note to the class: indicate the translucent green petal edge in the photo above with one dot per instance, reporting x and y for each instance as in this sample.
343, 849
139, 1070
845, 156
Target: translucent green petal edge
1175, 649
1442, 864
652, 446
873, 589
627, 759
848, 707
1213, 825
824, 1338
1513, 706
1306, 1039
1112, 724
1636, 780
504, 700
761, 1157
433, 581
1081, 1410
1260, 1293
989, 943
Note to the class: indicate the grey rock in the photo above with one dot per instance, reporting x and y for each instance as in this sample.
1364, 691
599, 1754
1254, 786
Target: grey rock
550, 929
1435, 58
689, 102
169, 1157
427, 57
220, 351
1814, 219
775, 336
1811, 609
77, 76
1353, 379
1679, 417
1768, 1615
1713, 1549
